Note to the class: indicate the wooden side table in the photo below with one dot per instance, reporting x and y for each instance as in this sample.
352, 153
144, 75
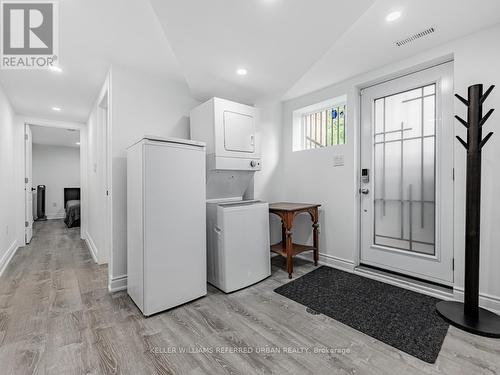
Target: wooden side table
286, 248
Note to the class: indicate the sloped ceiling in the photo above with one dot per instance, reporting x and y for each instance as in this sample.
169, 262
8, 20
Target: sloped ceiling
275, 40
369, 42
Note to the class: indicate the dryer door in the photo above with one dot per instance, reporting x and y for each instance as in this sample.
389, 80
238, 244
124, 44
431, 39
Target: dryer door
239, 132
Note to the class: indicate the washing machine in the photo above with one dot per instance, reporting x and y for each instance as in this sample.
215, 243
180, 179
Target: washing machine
238, 252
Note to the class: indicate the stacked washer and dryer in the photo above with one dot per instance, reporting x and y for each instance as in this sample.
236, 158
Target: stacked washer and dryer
237, 224
191, 214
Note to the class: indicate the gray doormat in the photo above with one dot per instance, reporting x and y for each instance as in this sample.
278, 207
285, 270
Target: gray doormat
398, 317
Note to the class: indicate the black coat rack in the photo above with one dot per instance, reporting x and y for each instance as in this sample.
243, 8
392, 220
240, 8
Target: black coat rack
468, 315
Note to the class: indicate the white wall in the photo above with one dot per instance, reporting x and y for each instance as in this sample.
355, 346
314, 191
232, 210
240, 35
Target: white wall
268, 182
56, 167
8, 238
94, 211
477, 60
270, 136
310, 175
140, 105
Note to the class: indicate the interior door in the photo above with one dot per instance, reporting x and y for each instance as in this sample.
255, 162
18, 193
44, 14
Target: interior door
407, 175
239, 132
28, 184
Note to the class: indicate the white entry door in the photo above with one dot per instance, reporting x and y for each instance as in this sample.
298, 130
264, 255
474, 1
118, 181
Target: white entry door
28, 184
407, 175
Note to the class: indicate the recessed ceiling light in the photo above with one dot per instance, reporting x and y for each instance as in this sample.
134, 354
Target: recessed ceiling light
55, 69
393, 16
57, 109
242, 72
78, 143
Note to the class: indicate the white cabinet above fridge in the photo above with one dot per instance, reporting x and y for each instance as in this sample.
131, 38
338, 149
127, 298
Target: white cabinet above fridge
230, 130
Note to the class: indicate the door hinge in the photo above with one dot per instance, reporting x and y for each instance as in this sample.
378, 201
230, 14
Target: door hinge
453, 264
453, 174
107, 193
26, 224
26, 180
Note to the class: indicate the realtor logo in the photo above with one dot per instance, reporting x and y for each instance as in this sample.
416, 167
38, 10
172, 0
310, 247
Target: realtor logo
29, 34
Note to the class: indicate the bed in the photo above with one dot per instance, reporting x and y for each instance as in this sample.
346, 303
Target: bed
72, 207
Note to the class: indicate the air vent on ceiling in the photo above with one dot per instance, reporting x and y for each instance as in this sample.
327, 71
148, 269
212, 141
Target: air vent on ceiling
414, 37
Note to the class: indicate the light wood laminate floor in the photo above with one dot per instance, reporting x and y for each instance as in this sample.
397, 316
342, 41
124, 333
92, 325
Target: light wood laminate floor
57, 317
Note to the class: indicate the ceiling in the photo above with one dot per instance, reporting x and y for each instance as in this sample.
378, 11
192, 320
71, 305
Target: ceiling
93, 34
275, 40
369, 42
44, 135
289, 47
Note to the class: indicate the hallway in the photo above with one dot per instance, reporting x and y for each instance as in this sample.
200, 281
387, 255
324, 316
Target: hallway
51, 285
57, 317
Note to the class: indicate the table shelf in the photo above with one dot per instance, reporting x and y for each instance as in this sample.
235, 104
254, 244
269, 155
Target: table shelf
287, 212
280, 248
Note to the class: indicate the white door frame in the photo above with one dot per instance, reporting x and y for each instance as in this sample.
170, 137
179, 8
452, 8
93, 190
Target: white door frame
359, 144
83, 154
103, 124
106, 95
28, 184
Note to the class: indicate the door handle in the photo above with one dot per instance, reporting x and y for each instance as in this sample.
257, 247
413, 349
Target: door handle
364, 191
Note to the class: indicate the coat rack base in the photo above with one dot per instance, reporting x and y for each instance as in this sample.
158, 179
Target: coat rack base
486, 324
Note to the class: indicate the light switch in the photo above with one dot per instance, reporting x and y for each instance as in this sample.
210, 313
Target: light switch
338, 161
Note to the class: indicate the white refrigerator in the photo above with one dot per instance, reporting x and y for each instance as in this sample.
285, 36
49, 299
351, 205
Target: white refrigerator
166, 223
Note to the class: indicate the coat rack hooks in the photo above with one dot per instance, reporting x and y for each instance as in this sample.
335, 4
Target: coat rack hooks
485, 95
468, 315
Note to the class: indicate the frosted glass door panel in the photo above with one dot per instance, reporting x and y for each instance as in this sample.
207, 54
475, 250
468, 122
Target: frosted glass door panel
404, 170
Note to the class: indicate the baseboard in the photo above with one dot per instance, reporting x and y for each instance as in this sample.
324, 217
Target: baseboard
405, 283
117, 283
486, 301
348, 266
91, 246
4, 262
330, 260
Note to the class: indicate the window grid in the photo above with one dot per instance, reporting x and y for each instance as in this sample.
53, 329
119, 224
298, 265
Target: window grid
324, 128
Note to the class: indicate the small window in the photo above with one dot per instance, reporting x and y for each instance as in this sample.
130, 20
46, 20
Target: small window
324, 128
320, 125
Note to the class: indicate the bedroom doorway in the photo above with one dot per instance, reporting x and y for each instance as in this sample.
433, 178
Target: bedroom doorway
52, 176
